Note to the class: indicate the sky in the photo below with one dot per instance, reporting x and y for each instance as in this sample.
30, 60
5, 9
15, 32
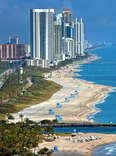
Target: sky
99, 17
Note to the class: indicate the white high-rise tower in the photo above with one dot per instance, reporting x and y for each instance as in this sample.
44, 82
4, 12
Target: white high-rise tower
79, 37
42, 33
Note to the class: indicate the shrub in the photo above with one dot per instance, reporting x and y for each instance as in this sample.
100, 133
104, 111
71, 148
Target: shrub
43, 151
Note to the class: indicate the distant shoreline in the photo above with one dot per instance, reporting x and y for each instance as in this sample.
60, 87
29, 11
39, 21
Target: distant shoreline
78, 108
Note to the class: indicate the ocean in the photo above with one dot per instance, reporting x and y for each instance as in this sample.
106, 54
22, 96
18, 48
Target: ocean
102, 71
105, 150
104, 130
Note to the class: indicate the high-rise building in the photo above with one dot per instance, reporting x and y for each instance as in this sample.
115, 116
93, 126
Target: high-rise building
58, 18
57, 40
57, 35
66, 20
79, 37
42, 34
27, 51
68, 31
68, 47
67, 16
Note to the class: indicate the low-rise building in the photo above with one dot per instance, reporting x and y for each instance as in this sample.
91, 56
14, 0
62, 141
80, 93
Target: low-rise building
11, 51
38, 63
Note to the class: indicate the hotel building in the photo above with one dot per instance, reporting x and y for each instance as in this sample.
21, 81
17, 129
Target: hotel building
42, 34
79, 37
68, 47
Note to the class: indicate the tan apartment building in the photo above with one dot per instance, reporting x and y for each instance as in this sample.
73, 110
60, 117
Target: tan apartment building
11, 51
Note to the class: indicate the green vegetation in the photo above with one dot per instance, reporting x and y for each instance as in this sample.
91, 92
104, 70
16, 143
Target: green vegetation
64, 63
49, 122
44, 151
3, 66
15, 96
20, 138
16, 93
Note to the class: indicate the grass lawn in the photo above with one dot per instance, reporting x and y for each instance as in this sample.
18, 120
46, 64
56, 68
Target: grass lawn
13, 98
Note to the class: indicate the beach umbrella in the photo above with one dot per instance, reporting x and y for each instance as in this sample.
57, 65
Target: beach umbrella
76, 91
51, 112
52, 150
58, 105
72, 95
66, 100
58, 117
55, 148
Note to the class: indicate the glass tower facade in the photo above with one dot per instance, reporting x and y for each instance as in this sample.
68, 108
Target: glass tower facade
79, 38
68, 31
41, 31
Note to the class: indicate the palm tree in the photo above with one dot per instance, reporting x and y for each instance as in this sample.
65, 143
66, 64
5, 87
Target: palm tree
21, 117
27, 121
49, 130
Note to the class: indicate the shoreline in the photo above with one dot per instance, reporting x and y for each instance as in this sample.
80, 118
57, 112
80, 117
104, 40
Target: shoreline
79, 107
91, 115
77, 110
64, 143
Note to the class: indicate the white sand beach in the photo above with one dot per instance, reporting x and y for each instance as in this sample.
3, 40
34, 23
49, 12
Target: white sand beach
85, 147
77, 108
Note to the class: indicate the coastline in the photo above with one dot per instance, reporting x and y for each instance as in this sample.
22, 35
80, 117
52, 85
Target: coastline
79, 107
64, 143
76, 110
91, 115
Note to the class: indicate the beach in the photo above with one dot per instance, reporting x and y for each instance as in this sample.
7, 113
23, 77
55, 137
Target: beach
77, 108
64, 143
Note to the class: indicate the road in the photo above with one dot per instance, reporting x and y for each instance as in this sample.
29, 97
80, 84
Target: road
7, 73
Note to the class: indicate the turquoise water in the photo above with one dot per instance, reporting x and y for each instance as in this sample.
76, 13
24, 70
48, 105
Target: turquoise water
103, 71
105, 150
